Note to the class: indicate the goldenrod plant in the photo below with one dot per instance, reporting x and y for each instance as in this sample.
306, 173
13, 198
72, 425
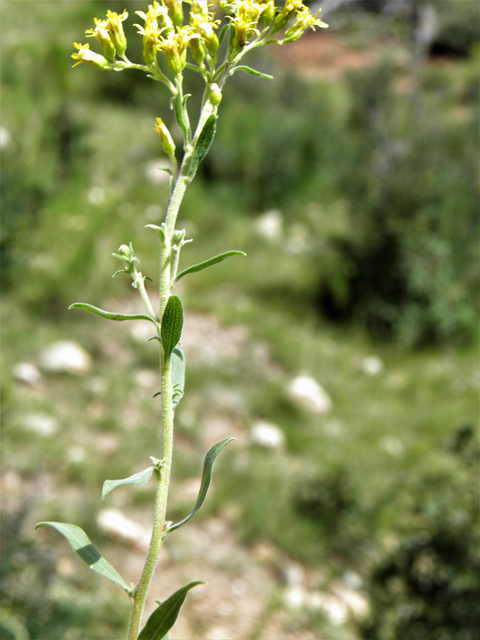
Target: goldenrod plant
213, 44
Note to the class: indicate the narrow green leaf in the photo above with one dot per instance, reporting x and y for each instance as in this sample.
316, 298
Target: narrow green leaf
203, 144
178, 375
172, 324
253, 72
110, 316
208, 263
222, 33
81, 544
142, 477
165, 616
206, 479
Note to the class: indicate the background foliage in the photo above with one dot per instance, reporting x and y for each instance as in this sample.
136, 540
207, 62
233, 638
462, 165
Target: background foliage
373, 171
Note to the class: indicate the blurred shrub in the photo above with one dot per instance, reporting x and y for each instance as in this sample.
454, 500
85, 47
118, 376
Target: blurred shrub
428, 585
400, 155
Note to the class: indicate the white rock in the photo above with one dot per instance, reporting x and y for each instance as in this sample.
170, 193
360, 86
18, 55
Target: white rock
270, 225
65, 357
267, 435
76, 454
154, 171
96, 195
306, 392
372, 366
218, 633
114, 523
295, 596
393, 446
40, 423
336, 610
5, 138
293, 574
356, 603
26, 373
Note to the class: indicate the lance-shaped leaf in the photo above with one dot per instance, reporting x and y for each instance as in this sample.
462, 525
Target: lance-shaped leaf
108, 315
178, 375
142, 477
208, 263
172, 325
81, 544
206, 479
165, 615
203, 144
253, 72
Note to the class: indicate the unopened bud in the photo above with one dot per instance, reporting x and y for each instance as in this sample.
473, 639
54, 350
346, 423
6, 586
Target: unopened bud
123, 250
215, 94
175, 11
268, 13
165, 137
198, 49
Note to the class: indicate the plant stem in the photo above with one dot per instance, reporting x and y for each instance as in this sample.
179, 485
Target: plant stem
166, 260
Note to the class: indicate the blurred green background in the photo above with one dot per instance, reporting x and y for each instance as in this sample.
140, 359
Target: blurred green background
351, 181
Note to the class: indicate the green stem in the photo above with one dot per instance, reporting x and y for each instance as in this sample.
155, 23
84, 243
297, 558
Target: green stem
166, 261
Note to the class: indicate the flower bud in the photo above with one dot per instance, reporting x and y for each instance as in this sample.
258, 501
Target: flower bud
175, 11
215, 95
198, 49
268, 13
165, 137
103, 36
125, 251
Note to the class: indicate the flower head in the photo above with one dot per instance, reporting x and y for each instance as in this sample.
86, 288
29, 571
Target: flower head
85, 55
103, 35
203, 23
174, 46
165, 137
245, 21
157, 17
115, 27
303, 22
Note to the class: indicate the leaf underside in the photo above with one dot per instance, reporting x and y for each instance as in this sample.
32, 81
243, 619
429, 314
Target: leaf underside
206, 480
178, 375
142, 477
108, 315
165, 615
80, 543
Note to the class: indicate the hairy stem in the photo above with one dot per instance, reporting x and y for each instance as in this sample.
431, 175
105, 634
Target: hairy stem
166, 261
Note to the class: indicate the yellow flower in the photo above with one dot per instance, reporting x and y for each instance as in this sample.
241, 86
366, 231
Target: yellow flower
115, 26
203, 23
245, 22
303, 22
285, 15
175, 11
151, 33
175, 46
85, 55
157, 15
103, 35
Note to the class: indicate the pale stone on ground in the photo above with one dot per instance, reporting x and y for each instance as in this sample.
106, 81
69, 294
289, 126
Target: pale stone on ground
26, 373
40, 423
307, 393
65, 356
268, 435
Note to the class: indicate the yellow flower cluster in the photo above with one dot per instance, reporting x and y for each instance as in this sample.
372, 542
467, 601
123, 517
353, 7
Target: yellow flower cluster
164, 30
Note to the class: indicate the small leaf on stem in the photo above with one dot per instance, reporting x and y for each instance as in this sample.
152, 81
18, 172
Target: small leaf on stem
252, 72
178, 375
208, 263
172, 324
108, 315
165, 616
206, 479
203, 144
81, 544
142, 477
